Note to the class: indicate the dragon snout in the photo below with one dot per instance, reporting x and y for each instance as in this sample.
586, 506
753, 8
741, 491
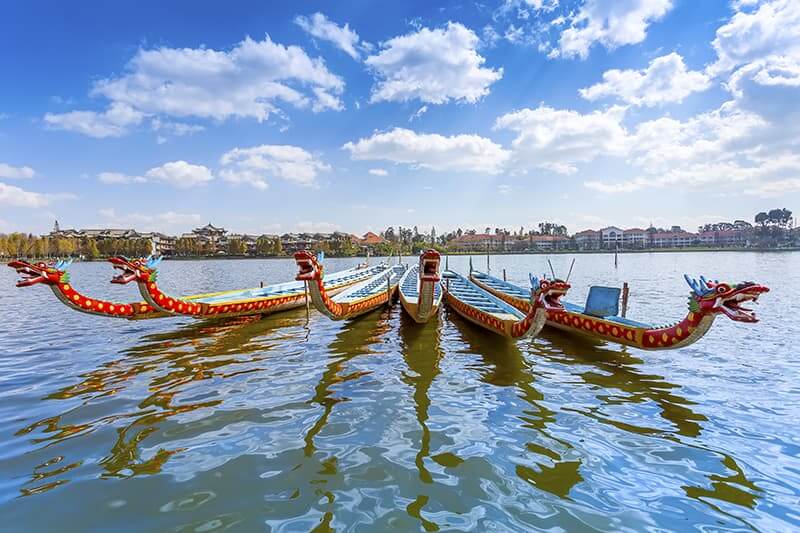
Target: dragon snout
430, 270
552, 298
125, 276
306, 265
29, 275
734, 307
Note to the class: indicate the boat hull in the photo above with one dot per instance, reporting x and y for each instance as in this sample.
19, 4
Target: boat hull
217, 306
505, 320
378, 292
420, 297
678, 335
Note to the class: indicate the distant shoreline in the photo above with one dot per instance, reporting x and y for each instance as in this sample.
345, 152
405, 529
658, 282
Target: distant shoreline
476, 253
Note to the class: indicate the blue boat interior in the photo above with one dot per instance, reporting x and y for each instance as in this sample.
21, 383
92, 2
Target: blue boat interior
410, 285
291, 287
373, 285
599, 303
469, 293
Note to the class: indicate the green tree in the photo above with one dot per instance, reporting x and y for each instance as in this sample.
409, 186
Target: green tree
236, 247
90, 250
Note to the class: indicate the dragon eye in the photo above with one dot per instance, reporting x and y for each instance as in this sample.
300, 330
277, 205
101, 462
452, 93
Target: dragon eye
722, 288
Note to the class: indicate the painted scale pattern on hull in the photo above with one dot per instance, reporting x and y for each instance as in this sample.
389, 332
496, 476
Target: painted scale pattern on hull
134, 310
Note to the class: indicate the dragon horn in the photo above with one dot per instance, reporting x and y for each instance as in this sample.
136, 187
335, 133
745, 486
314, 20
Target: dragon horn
320, 256
534, 281
705, 285
693, 284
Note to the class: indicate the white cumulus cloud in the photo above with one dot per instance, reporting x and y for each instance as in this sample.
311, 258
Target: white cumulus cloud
253, 80
772, 29
12, 172
612, 23
750, 144
558, 139
432, 65
464, 153
16, 197
378, 172
254, 165
179, 129
114, 122
180, 174
665, 80
321, 27
117, 178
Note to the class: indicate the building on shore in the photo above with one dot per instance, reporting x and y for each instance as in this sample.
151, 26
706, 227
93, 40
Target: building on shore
635, 238
548, 242
673, 239
160, 243
738, 234
367, 242
587, 239
479, 242
612, 237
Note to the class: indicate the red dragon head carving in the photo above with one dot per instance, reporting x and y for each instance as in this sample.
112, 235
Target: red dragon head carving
309, 265
134, 269
549, 291
714, 297
429, 266
48, 273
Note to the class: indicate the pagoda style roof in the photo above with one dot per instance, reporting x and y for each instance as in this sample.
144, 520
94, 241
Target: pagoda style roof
210, 228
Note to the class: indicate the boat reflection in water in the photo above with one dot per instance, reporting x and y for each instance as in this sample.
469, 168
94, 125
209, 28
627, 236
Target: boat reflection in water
422, 353
304, 425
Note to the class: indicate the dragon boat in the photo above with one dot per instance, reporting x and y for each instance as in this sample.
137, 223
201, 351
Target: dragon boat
256, 301
483, 308
420, 292
55, 275
599, 318
361, 298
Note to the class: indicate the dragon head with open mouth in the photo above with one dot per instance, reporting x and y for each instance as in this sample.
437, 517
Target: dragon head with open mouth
549, 291
135, 269
429, 265
310, 266
48, 273
714, 297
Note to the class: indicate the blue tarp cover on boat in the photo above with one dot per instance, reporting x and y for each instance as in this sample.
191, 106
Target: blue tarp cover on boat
602, 301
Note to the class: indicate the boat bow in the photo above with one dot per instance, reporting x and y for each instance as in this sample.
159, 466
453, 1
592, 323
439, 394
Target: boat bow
356, 300
483, 308
56, 276
707, 300
420, 293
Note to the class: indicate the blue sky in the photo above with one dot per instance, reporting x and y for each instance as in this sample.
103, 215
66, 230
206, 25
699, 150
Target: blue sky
320, 116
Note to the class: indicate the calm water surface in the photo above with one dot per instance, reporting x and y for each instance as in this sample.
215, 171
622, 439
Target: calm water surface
378, 423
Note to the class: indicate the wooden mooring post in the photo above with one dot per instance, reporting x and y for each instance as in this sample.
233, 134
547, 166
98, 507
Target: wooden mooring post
624, 299
308, 303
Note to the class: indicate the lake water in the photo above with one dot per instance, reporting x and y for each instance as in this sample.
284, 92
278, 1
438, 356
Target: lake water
378, 423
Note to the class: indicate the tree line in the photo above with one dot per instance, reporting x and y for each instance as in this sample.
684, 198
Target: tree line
27, 245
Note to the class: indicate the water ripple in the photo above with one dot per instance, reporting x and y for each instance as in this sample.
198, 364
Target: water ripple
379, 423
